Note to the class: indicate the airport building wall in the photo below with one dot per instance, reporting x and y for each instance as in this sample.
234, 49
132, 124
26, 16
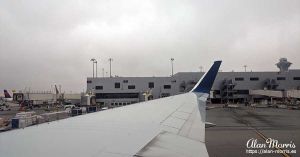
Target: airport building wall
228, 86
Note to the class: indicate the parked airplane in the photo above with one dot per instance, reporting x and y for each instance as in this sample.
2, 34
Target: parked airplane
169, 127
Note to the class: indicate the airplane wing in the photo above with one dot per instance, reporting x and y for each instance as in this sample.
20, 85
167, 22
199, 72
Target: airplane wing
168, 127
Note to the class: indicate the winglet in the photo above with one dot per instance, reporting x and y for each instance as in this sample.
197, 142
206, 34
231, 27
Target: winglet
205, 83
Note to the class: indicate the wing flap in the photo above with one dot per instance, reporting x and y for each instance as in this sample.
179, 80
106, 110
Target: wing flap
194, 128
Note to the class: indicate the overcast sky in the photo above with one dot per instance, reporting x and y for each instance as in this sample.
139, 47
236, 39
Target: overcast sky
43, 43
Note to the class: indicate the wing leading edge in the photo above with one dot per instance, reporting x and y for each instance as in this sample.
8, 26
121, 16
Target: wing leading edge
172, 126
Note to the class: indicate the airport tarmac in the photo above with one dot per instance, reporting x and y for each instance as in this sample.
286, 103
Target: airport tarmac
235, 126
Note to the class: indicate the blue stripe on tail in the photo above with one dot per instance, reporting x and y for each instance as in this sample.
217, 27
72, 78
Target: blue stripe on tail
205, 83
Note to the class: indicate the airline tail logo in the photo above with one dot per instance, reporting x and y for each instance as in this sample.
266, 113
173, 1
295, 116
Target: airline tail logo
6, 94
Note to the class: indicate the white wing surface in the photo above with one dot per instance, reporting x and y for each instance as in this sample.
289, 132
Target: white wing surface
172, 126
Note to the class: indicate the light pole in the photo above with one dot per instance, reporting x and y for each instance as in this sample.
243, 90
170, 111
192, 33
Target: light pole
96, 68
102, 72
201, 68
245, 66
172, 60
110, 60
93, 60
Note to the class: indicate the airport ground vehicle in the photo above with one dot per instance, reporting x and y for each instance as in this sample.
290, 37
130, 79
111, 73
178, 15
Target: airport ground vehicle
4, 108
69, 106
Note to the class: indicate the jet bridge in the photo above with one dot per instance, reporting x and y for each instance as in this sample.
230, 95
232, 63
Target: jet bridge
269, 93
293, 93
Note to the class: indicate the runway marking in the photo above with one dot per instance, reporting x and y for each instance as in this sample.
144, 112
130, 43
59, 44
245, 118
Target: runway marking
261, 135
265, 138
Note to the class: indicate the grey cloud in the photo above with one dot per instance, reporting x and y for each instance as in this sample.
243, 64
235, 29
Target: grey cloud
47, 42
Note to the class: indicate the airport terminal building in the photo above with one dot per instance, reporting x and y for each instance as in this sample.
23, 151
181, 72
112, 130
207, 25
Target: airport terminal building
228, 86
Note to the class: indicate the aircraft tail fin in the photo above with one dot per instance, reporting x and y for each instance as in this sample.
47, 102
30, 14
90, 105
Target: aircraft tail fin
205, 83
6, 94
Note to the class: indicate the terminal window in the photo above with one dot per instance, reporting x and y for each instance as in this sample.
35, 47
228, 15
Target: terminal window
151, 84
99, 87
117, 85
165, 95
246, 92
239, 79
117, 95
280, 78
167, 86
131, 87
296, 78
254, 78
